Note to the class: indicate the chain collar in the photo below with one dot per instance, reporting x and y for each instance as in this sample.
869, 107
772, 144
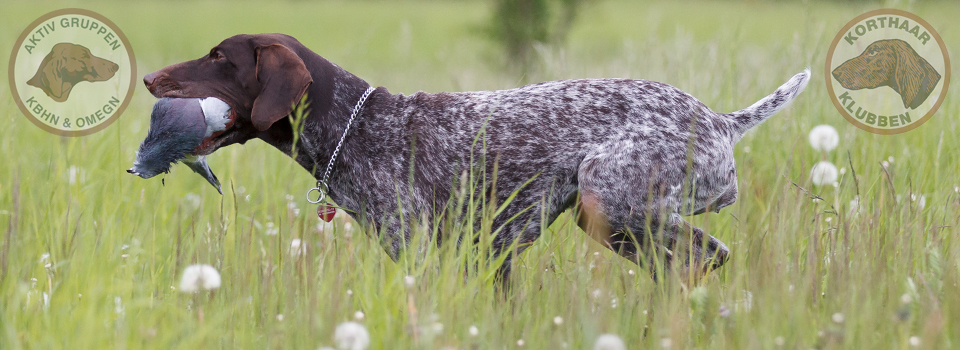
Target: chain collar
322, 185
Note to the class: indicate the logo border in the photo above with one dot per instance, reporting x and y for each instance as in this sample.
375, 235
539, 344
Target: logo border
829, 81
117, 112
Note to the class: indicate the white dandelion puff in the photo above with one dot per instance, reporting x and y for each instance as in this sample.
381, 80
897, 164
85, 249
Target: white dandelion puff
779, 341
199, 277
915, 341
351, 336
824, 138
474, 331
192, 200
359, 316
558, 320
837, 318
409, 281
906, 298
823, 173
297, 248
521, 343
666, 343
609, 342
76, 174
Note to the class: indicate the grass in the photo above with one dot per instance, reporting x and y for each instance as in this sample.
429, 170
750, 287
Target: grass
117, 244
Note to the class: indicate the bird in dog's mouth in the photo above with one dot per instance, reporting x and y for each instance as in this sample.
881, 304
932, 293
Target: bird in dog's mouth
179, 127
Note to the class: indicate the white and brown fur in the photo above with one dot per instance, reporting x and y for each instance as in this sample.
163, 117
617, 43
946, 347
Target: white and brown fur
633, 155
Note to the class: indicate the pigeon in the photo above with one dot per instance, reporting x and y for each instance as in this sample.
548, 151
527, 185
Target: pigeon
177, 127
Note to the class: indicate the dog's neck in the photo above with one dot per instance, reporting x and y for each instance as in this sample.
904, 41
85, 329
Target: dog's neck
331, 97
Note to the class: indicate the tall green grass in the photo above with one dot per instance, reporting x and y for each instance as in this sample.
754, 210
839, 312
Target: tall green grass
117, 244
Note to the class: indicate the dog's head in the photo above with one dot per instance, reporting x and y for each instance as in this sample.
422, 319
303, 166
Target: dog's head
260, 76
890, 63
66, 65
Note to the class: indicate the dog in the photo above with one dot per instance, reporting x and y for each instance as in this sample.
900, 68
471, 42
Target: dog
66, 65
891, 63
632, 156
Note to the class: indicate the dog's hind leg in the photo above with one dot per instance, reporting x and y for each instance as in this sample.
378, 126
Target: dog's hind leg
629, 202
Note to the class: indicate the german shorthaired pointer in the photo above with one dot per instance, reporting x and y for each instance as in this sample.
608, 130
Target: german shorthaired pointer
890, 63
631, 155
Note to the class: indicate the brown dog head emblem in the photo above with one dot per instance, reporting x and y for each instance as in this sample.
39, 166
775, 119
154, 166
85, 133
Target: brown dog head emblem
890, 63
66, 65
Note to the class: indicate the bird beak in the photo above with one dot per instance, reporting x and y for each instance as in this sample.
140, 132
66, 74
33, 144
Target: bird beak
200, 166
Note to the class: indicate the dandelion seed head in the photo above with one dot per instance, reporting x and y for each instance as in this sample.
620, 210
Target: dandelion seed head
823, 173
824, 138
906, 298
837, 317
609, 342
474, 331
409, 281
521, 343
280, 317
359, 316
558, 320
666, 343
914, 341
779, 341
199, 277
351, 336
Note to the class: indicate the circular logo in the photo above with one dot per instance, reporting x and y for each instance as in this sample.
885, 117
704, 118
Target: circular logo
72, 72
888, 71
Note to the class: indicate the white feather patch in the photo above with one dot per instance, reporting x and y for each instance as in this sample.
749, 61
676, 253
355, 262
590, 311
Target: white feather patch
216, 114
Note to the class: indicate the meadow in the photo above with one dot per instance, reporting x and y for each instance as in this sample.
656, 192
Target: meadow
91, 257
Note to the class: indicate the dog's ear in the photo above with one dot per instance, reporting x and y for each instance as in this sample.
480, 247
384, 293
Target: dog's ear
48, 77
914, 78
283, 80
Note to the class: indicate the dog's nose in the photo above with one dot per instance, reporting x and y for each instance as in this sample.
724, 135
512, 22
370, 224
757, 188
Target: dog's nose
151, 78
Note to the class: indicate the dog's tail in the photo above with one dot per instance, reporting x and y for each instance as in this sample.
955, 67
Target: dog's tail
749, 117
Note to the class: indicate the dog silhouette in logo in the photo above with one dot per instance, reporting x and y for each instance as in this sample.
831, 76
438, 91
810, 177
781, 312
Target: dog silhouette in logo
890, 63
66, 65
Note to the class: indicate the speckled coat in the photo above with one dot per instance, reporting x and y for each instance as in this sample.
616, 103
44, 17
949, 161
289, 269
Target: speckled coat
633, 155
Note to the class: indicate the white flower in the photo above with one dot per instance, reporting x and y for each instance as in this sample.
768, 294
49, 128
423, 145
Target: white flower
824, 138
855, 205
75, 173
474, 331
280, 317
609, 342
520, 342
297, 248
351, 336
823, 173
914, 341
197, 277
837, 318
358, 315
409, 281
558, 320
271, 229
192, 200
906, 298
666, 343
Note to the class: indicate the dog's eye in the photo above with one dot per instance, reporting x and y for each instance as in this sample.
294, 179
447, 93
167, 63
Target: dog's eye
216, 55
872, 53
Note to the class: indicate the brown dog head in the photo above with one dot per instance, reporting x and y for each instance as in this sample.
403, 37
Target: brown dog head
260, 76
66, 65
890, 63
